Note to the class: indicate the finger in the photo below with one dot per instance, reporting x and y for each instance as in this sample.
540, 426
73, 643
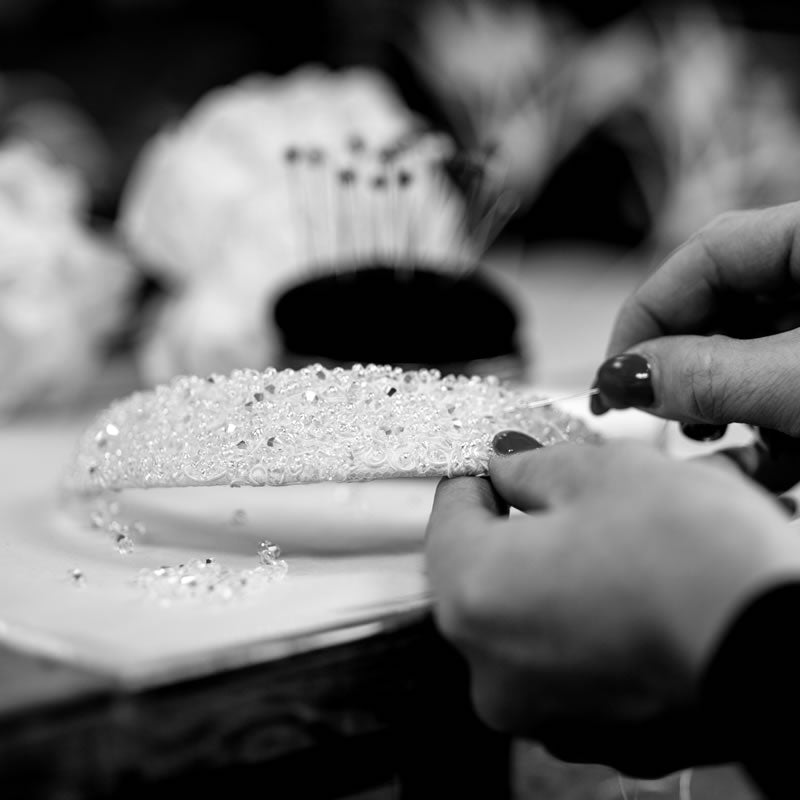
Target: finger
463, 510
709, 380
776, 472
548, 477
742, 252
464, 502
461, 539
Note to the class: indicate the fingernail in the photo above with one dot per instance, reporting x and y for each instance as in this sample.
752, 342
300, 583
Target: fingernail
701, 432
597, 405
626, 380
506, 443
789, 503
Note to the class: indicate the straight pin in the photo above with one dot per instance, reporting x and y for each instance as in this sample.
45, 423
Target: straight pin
553, 400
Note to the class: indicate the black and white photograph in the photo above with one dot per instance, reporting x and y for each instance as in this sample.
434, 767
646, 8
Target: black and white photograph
399, 399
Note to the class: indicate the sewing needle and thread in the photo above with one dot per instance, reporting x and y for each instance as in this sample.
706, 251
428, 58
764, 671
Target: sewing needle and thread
552, 400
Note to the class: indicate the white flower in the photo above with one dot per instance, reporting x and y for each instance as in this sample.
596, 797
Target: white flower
728, 128
62, 290
219, 210
725, 131
206, 329
214, 193
491, 67
33, 185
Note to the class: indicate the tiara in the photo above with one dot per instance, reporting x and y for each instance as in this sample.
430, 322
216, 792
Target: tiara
274, 428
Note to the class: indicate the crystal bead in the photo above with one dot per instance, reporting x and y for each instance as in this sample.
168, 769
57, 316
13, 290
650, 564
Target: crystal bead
207, 580
269, 552
314, 424
77, 578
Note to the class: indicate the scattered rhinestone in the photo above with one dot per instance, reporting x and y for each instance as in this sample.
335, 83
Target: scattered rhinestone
104, 514
77, 578
206, 580
269, 553
124, 543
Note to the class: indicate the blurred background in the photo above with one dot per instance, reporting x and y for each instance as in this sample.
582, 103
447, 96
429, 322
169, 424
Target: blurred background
145, 204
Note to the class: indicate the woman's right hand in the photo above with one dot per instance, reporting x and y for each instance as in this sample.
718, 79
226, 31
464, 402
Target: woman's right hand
713, 337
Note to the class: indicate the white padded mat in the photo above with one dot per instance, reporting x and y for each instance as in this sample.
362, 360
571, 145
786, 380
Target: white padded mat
354, 553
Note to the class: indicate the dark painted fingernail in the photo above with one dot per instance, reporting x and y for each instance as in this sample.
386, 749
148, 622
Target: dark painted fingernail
702, 432
789, 503
626, 381
597, 404
506, 443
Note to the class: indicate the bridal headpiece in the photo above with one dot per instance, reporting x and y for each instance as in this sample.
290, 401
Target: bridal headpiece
303, 426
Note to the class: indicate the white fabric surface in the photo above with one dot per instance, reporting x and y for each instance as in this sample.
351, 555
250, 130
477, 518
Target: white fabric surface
354, 553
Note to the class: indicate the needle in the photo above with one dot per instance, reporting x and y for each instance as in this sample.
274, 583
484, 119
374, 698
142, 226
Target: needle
550, 401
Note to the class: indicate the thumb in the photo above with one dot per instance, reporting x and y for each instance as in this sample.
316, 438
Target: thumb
553, 476
708, 379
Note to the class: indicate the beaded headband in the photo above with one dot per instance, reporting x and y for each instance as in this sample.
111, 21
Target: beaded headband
302, 426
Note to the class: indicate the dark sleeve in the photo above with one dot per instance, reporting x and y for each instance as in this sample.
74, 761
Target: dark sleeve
752, 687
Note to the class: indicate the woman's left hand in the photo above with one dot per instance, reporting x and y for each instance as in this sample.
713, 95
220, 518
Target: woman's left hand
587, 621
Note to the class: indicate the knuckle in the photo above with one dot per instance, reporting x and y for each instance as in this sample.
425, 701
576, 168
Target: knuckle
704, 382
721, 224
712, 237
465, 614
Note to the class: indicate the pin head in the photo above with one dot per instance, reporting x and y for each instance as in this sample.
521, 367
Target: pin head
356, 144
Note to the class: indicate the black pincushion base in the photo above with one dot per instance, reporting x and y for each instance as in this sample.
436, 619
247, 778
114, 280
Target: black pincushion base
389, 315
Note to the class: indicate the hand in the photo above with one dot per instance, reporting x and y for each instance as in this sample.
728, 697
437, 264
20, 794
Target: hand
588, 621
712, 337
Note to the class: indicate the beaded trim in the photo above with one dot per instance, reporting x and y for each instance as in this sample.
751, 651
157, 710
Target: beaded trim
301, 426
